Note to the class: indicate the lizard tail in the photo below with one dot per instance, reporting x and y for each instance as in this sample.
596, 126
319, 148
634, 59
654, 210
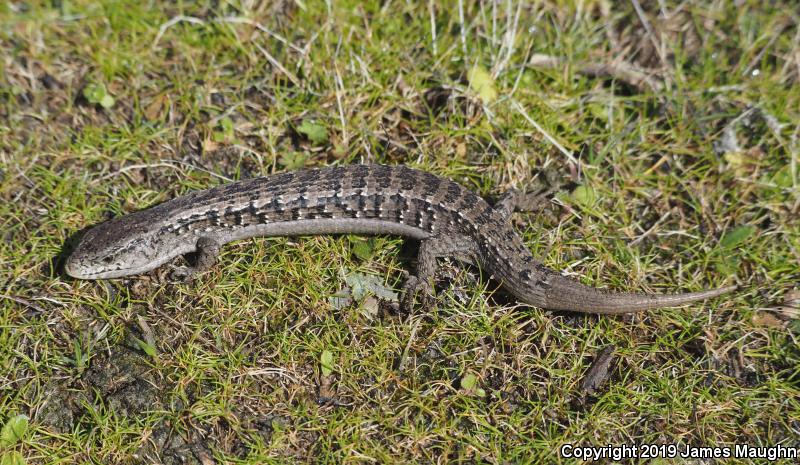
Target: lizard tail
566, 294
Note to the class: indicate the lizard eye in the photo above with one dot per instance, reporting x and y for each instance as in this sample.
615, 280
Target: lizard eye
107, 259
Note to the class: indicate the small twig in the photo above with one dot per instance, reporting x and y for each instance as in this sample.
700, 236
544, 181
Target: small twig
272, 371
494, 23
547, 136
278, 65
172, 22
508, 41
761, 53
794, 150
652, 228
260, 27
720, 89
797, 62
432, 12
404, 356
309, 43
463, 28
649, 30
521, 71
237, 20
391, 141
621, 70
228, 112
339, 90
37, 309
166, 164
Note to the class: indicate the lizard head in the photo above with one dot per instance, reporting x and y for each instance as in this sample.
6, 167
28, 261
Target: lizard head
119, 247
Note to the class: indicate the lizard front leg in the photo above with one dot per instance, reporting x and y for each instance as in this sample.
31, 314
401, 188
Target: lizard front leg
514, 200
205, 255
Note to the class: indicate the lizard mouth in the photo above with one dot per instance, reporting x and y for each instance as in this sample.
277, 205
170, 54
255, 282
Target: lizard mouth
82, 267
73, 268
91, 268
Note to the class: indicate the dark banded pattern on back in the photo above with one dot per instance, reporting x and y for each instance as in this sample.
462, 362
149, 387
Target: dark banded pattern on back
363, 199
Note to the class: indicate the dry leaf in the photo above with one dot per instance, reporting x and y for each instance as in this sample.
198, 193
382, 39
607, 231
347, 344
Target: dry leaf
209, 145
153, 110
461, 150
767, 319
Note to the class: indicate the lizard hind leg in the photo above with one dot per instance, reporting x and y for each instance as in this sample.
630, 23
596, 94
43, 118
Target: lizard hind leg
421, 283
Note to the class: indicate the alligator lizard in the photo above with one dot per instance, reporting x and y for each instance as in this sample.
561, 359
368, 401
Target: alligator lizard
447, 219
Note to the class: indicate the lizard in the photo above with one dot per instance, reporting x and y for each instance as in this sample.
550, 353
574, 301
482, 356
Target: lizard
446, 218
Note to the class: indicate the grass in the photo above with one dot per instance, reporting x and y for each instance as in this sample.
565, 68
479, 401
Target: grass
683, 182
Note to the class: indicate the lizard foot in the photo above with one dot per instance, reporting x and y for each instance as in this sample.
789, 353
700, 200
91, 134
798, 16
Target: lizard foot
520, 201
413, 287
